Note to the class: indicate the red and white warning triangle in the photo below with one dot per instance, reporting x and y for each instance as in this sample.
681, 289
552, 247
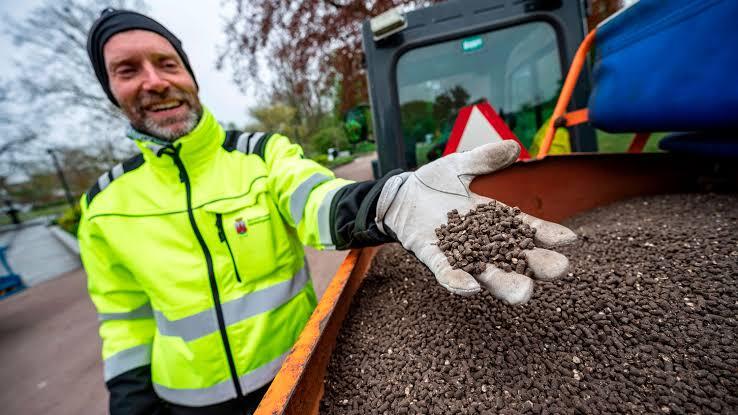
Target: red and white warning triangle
479, 124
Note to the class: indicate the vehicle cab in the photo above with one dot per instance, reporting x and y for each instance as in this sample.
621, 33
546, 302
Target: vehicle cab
512, 54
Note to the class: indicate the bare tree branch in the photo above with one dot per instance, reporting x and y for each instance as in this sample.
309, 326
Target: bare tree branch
335, 4
319, 40
54, 83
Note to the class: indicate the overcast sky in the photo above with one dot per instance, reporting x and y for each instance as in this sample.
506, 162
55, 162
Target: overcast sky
199, 25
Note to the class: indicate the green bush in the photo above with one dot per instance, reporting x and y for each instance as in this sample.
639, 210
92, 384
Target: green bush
340, 161
69, 220
320, 158
365, 147
329, 137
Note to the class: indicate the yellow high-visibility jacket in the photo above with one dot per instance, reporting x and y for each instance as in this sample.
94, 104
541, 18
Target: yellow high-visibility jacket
194, 256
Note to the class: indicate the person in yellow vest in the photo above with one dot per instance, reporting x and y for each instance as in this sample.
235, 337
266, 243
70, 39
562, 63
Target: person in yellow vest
561, 144
194, 247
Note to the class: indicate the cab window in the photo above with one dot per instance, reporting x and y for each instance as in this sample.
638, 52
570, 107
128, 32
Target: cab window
516, 69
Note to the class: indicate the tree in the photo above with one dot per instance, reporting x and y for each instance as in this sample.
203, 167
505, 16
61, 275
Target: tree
447, 105
13, 134
308, 102
279, 118
318, 41
54, 93
418, 120
53, 99
328, 137
316, 139
601, 10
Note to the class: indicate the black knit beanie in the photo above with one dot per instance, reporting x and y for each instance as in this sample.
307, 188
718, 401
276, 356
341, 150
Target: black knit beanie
113, 21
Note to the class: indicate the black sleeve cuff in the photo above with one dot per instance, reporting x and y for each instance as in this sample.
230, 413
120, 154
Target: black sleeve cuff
353, 210
132, 393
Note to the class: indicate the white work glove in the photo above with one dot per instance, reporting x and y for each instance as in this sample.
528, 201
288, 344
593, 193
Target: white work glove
413, 205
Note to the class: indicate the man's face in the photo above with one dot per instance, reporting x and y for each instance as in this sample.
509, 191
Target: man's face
151, 84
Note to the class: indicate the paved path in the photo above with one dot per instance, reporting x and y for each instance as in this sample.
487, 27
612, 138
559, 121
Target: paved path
50, 349
36, 254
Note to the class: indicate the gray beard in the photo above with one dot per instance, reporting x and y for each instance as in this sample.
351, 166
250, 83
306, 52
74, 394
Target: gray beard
169, 133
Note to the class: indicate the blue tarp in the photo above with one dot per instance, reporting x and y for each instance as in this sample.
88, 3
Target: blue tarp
667, 66
711, 144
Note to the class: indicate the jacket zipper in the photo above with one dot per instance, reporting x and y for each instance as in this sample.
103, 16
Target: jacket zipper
184, 178
223, 238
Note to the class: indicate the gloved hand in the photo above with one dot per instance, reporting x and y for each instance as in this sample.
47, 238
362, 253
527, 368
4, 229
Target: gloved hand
413, 205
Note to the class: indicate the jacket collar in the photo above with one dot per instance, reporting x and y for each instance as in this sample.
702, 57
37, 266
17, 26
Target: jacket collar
195, 149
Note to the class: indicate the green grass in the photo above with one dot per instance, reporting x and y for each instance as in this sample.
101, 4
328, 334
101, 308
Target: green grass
331, 164
340, 161
365, 147
618, 143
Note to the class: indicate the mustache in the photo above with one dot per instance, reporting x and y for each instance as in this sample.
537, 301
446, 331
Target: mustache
148, 98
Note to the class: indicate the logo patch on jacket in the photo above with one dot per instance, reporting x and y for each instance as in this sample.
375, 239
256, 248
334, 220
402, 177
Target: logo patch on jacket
241, 227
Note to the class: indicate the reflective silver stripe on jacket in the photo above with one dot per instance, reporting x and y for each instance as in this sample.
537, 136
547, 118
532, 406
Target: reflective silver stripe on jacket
142, 312
103, 181
126, 360
205, 322
299, 197
324, 220
247, 142
224, 390
106, 178
117, 171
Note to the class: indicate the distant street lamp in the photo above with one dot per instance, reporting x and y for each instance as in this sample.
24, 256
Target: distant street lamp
63, 180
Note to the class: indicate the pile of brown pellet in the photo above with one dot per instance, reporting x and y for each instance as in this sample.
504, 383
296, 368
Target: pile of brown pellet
646, 322
489, 234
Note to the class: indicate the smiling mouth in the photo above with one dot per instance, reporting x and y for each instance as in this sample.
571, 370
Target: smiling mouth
163, 106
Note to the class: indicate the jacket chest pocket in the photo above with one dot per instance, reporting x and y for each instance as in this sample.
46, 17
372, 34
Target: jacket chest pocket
245, 229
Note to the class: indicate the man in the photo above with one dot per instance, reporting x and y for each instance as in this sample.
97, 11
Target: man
193, 248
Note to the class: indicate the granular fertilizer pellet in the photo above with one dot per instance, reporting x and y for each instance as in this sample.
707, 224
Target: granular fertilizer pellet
488, 234
645, 322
